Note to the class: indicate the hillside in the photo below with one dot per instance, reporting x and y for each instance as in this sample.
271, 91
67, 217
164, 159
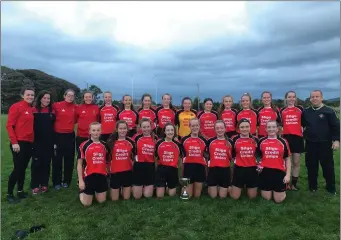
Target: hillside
12, 81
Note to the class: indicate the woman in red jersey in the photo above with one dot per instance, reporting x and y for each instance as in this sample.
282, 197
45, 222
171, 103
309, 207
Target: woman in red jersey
275, 164
95, 155
128, 114
220, 153
266, 113
194, 162
207, 119
122, 151
146, 111
44, 141
248, 113
167, 152
165, 114
65, 139
245, 163
291, 116
108, 113
228, 115
144, 166
183, 117
20, 131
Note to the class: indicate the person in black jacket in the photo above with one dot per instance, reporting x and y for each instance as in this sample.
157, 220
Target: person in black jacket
322, 135
44, 140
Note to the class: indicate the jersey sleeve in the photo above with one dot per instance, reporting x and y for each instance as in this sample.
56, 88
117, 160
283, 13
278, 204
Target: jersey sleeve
287, 152
177, 120
137, 117
278, 118
13, 115
334, 124
81, 152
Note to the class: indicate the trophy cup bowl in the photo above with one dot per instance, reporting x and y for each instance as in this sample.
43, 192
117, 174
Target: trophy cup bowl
184, 194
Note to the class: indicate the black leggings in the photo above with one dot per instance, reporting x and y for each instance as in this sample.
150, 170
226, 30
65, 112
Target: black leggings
20, 160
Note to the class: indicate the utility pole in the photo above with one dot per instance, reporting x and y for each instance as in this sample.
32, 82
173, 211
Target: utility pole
132, 89
198, 96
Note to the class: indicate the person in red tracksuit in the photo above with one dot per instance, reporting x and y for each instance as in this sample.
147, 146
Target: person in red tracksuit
128, 114
87, 112
194, 162
167, 151
20, 131
165, 114
95, 155
207, 119
291, 116
122, 152
144, 166
268, 112
146, 111
220, 154
64, 140
248, 113
275, 164
244, 152
228, 115
108, 113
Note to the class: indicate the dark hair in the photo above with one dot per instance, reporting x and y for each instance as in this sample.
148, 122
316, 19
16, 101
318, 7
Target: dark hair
243, 120
222, 106
122, 104
169, 124
143, 96
170, 104
225, 135
205, 101
114, 136
150, 122
25, 88
271, 104
271, 121
85, 92
247, 95
183, 100
286, 95
37, 101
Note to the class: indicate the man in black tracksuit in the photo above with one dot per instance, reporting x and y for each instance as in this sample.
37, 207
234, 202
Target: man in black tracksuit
322, 135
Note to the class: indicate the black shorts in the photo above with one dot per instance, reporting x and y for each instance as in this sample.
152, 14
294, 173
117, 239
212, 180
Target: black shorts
104, 137
219, 176
143, 174
95, 183
296, 143
195, 172
231, 134
271, 179
121, 179
245, 176
166, 176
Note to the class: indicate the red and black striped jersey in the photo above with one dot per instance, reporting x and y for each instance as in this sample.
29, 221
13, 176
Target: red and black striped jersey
266, 114
145, 148
168, 152
149, 114
108, 118
165, 115
273, 151
85, 115
292, 120
130, 116
194, 149
220, 152
95, 156
229, 116
122, 155
251, 115
207, 121
244, 150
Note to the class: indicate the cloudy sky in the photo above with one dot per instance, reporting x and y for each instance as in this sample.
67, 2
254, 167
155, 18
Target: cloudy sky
225, 47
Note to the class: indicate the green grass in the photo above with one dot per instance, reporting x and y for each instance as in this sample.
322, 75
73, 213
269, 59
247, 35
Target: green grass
302, 216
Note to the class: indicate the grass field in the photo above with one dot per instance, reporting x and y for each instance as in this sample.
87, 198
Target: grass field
303, 215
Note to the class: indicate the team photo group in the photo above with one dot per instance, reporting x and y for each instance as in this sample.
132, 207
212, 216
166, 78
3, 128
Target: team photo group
121, 151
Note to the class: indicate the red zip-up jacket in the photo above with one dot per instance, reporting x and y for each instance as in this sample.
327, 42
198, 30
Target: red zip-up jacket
86, 114
20, 122
65, 117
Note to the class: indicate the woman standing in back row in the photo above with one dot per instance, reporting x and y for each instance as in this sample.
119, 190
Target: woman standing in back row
146, 111
108, 113
248, 113
207, 119
228, 115
165, 114
129, 115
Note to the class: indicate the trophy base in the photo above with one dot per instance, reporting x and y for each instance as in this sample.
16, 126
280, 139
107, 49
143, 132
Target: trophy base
184, 197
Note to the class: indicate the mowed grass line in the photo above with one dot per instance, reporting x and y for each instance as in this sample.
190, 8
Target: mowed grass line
302, 216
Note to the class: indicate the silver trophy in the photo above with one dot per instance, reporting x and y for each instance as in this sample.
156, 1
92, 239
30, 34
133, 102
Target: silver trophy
184, 194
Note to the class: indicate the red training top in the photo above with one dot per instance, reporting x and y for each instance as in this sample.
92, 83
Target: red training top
266, 114
251, 115
194, 148
207, 121
291, 118
121, 156
244, 151
20, 122
65, 117
95, 156
86, 114
168, 152
145, 147
108, 118
273, 151
130, 116
165, 115
220, 152
229, 118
